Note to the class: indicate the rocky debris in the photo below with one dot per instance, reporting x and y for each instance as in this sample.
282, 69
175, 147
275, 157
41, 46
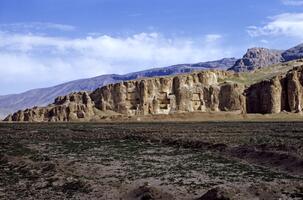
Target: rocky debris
293, 53
280, 93
257, 57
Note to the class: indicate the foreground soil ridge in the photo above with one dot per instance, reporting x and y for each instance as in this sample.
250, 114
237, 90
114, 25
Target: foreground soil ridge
205, 91
160, 160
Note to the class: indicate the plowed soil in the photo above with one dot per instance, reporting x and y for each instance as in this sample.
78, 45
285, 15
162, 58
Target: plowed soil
168, 160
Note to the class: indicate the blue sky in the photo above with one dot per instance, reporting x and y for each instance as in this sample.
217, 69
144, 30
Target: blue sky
47, 42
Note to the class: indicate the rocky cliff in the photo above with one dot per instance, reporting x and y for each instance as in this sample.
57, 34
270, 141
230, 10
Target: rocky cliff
45, 96
198, 92
280, 93
254, 58
75, 106
184, 93
205, 91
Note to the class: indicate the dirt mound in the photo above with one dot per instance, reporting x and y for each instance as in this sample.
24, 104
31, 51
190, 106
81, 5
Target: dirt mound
269, 191
278, 160
148, 193
219, 193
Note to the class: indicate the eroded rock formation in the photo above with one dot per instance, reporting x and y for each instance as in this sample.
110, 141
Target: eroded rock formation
198, 92
75, 106
204, 91
164, 95
280, 93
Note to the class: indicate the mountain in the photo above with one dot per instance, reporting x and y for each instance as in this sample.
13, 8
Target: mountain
293, 53
44, 96
262, 57
257, 57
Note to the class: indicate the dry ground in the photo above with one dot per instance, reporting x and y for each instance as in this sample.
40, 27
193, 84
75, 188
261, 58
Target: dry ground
152, 160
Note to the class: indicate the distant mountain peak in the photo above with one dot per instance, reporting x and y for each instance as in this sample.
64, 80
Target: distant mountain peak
257, 57
293, 53
262, 57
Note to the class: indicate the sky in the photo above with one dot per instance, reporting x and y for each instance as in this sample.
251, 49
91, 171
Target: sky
44, 43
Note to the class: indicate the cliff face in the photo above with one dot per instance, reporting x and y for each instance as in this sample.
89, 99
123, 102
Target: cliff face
45, 96
199, 92
75, 106
281, 93
196, 92
164, 95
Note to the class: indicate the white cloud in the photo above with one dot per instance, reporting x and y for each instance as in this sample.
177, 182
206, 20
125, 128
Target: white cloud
36, 26
213, 37
28, 61
286, 24
292, 2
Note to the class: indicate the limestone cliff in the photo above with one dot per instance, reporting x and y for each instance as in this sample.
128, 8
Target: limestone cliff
280, 93
45, 96
205, 91
184, 93
198, 92
75, 106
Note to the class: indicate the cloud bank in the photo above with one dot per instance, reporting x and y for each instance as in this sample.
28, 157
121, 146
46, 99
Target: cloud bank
36, 26
286, 24
31, 60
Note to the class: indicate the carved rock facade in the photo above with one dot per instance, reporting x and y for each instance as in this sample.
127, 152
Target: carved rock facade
196, 92
164, 95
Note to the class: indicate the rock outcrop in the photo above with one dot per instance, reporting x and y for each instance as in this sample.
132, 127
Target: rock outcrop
205, 91
184, 93
195, 92
254, 58
257, 57
280, 93
73, 107
45, 96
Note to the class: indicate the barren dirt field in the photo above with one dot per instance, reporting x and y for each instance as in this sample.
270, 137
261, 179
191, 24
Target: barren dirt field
169, 160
